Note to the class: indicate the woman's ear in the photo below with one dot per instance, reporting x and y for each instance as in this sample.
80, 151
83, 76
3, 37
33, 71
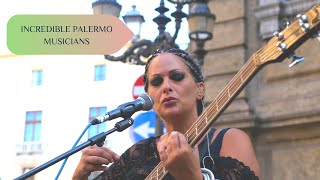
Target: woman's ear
200, 94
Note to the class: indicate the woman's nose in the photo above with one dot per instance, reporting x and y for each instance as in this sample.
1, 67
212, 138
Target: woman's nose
166, 86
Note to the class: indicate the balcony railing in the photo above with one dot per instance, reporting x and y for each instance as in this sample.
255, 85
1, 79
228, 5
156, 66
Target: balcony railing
29, 148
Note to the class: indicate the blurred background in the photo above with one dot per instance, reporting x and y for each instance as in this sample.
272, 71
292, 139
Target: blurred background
47, 101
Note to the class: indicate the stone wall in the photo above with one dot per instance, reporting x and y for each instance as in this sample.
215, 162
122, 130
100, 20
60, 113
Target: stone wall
279, 108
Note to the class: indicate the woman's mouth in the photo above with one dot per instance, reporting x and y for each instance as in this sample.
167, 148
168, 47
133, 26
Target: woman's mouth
168, 100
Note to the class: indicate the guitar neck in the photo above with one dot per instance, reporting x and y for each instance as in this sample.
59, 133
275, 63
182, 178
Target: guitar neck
215, 109
222, 101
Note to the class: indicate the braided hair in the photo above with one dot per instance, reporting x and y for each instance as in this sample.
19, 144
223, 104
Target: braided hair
193, 66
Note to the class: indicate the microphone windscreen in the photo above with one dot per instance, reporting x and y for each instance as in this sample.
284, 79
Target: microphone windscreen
148, 102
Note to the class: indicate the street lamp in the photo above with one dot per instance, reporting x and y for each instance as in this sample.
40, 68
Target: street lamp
107, 7
200, 22
134, 20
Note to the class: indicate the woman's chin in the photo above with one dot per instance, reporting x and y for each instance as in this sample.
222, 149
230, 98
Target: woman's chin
170, 113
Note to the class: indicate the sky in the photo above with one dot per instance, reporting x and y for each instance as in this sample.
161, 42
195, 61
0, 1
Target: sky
146, 8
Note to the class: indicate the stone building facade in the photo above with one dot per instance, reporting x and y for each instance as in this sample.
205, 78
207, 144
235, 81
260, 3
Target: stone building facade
279, 108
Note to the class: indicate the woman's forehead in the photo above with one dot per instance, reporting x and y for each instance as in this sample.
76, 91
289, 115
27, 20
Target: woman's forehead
167, 62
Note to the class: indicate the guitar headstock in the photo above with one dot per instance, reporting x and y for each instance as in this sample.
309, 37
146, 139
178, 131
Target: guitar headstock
284, 43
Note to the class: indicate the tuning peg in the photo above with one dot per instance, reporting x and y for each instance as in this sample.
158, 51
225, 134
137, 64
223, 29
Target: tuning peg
303, 22
280, 35
281, 46
284, 23
296, 60
303, 18
306, 26
287, 23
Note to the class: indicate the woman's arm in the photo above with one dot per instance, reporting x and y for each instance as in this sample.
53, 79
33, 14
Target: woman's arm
237, 144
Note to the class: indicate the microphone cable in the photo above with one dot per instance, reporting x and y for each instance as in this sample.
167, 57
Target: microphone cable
75, 144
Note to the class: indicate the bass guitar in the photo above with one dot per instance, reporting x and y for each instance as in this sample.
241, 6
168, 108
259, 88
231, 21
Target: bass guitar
281, 46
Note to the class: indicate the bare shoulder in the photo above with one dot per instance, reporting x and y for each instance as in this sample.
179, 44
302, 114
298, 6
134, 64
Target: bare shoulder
234, 135
237, 144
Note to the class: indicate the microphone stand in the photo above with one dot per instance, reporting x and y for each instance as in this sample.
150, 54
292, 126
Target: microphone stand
98, 140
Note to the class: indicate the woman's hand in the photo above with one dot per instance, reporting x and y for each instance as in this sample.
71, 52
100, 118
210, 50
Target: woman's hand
94, 158
178, 157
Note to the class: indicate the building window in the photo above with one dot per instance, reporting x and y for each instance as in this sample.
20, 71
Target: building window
98, 128
33, 126
100, 73
36, 77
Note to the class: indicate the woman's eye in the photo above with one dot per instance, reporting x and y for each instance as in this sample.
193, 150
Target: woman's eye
156, 81
177, 76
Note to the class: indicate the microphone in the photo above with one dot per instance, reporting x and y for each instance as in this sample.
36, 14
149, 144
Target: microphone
143, 102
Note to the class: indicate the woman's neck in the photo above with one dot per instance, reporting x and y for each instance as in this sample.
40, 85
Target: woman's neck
180, 123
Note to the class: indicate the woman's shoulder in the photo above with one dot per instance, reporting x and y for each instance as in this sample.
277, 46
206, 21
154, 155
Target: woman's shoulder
237, 144
228, 135
234, 136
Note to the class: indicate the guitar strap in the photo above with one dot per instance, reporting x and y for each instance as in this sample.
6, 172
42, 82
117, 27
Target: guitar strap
214, 148
203, 146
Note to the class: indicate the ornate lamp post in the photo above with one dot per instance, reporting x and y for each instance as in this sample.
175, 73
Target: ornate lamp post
200, 22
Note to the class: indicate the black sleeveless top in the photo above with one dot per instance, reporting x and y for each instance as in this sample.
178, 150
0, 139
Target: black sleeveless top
140, 159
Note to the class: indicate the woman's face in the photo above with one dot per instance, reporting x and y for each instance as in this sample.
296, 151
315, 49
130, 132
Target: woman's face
172, 87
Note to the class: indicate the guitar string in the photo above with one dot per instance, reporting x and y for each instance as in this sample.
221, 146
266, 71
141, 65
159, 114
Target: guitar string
224, 95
